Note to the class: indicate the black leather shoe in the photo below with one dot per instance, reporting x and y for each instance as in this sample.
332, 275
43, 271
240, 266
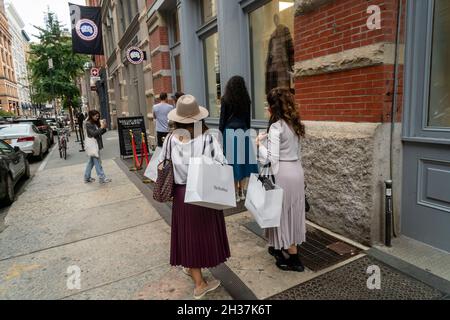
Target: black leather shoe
277, 254
292, 263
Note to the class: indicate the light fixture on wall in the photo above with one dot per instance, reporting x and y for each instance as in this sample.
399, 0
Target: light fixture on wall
283, 5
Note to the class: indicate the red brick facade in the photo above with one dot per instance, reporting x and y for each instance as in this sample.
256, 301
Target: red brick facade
358, 95
160, 58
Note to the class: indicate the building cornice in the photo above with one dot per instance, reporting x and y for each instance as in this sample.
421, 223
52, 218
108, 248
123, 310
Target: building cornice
307, 6
130, 32
372, 55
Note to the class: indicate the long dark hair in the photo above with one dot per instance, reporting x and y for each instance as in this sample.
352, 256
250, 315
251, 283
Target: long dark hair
190, 127
282, 107
236, 96
91, 115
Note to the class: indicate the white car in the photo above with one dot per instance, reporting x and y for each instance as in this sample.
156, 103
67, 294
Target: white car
27, 137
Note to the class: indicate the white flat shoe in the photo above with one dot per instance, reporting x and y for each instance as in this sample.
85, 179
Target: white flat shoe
211, 286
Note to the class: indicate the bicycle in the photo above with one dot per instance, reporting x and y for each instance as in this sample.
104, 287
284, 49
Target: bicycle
63, 139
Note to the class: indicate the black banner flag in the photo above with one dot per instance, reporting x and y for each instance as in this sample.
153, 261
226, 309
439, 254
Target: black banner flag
86, 29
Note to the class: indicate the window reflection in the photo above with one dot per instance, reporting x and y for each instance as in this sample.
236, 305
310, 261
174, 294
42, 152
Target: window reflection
272, 50
213, 74
209, 10
439, 109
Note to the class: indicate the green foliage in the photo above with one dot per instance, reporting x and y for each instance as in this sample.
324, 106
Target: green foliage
60, 81
5, 114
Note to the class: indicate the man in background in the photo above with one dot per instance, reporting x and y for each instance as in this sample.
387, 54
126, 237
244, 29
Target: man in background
160, 112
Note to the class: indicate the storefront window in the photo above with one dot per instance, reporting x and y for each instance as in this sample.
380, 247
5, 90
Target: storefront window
439, 109
209, 10
176, 26
212, 72
272, 51
178, 73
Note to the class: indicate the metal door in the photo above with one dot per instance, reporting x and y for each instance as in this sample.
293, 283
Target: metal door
426, 137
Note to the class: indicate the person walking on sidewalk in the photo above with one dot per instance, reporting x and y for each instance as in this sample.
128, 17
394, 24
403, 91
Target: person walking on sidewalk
283, 153
95, 129
235, 115
198, 237
160, 112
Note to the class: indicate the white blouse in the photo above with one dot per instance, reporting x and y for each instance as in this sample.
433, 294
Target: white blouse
183, 151
282, 145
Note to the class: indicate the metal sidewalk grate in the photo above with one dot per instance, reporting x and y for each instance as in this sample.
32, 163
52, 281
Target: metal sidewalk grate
350, 283
315, 252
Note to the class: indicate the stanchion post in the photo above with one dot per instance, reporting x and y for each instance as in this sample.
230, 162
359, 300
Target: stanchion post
147, 161
388, 213
76, 132
133, 148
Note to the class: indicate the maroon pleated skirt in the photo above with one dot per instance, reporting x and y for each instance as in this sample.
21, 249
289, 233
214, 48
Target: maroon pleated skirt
199, 236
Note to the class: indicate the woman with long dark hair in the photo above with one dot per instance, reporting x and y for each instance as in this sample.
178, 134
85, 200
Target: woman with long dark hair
283, 153
95, 129
235, 115
198, 234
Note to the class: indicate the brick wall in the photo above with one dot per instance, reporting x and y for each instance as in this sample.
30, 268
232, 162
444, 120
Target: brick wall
159, 36
160, 59
358, 95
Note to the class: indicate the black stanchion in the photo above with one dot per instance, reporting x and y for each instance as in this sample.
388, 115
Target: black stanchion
76, 132
388, 213
81, 138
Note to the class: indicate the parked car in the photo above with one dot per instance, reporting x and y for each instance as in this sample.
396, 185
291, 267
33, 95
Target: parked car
41, 124
27, 137
53, 125
13, 166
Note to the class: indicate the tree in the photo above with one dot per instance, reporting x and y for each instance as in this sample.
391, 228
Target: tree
59, 82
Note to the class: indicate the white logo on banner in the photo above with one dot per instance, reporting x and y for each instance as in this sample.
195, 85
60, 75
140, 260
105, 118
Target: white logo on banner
86, 29
135, 55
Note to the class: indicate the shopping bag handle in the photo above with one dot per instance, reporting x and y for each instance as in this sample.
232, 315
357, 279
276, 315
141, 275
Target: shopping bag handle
267, 167
213, 152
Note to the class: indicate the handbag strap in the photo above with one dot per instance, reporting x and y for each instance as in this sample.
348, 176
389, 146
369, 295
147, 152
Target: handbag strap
169, 146
213, 152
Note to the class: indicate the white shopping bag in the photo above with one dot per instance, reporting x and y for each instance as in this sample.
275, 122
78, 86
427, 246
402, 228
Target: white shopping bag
152, 169
210, 184
265, 205
91, 147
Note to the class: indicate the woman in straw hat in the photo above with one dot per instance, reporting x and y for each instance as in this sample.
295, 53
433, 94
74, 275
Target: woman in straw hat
198, 238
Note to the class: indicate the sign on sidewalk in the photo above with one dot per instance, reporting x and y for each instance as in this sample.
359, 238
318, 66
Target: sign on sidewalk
137, 125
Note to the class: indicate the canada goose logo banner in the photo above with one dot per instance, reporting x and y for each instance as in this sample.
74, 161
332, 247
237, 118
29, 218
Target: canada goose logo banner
86, 29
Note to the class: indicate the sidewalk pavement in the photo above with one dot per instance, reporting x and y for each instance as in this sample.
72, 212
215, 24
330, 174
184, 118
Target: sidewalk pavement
117, 236
111, 232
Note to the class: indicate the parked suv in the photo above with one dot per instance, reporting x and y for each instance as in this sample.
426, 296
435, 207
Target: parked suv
42, 126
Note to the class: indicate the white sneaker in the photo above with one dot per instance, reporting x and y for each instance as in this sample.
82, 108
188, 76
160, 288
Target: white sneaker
238, 198
242, 196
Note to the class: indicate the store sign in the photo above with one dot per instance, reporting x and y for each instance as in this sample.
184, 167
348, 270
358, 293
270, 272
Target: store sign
137, 126
95, 72
135, 55
86, 29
